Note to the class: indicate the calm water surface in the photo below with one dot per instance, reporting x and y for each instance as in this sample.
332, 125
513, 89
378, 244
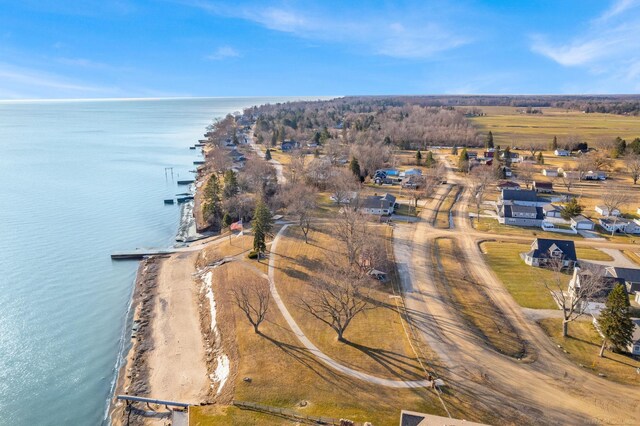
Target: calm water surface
78, 180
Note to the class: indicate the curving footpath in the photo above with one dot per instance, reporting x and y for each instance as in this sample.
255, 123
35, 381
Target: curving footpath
314, 349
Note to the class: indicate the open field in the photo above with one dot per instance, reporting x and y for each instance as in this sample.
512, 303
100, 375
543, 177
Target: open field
492, 226
521, 280
514, 129
469, 299
285, 374
633, 256
583, 346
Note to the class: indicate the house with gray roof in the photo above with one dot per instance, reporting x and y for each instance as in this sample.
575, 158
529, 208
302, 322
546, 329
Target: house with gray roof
634, 346
383, 205
545, 250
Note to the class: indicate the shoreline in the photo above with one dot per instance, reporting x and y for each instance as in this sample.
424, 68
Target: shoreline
133, 373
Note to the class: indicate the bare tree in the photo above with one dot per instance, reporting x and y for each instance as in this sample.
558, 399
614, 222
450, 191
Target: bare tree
319, 172
583, 287
599, 160
351, 228
334, 150
218, 159
584, 163
258, 176
534, 147
343, 185
338, 300
525, 173
568, 178
632, 163
425, 185
300, 201
296, 167
252, 296
614, 197
480, 178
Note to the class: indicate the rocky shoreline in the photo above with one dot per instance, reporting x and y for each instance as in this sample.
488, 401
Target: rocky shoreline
133, 375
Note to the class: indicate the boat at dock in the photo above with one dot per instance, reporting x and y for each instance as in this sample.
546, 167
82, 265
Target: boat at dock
186, 182
168, 201
192, 147
198, 145
184, 194
198, 162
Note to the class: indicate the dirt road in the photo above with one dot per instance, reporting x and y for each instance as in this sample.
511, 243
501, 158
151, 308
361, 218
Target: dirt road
543, 388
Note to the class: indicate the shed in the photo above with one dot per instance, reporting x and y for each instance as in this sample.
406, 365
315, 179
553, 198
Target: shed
543, 187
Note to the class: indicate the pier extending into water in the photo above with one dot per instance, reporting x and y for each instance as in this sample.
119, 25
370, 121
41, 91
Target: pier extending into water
138, 254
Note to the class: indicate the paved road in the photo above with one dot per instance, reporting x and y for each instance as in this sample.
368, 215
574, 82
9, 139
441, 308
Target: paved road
275, 163
619, 259
545, 387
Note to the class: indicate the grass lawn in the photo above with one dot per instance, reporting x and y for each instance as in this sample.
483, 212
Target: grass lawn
470, 300
583, 346
442, 217
521, 280
283, 373
492, 226
592, 254
633, 256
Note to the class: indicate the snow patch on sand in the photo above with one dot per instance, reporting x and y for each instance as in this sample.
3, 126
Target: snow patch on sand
221, 373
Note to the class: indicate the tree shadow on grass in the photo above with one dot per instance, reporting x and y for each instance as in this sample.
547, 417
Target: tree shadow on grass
402, 366
308, 360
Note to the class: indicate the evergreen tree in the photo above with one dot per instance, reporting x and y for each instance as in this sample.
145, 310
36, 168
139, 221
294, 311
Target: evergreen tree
274, 137
454, 150
226, 220
316, 138
554, 144
507, 156
463, 160
489, 142
267, 154
281, 134
387, 140
231, 186
235, 137
418, 157
540, 158
571, 209
325, 135
212, 210
615, 320
634, 146
620, 148
355, 167
316, 153
429, 161
262, 224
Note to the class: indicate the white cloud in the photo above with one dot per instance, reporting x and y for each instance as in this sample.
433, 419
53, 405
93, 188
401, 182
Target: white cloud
224, 52
413, 33
609, 45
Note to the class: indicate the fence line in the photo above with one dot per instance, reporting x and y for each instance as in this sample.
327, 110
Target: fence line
292, 414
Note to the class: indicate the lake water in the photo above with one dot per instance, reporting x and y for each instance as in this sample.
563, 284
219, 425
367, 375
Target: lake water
79, 180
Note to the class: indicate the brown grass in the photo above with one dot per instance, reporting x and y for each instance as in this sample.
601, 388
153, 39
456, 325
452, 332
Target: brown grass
442, 217
583, 345
471, 301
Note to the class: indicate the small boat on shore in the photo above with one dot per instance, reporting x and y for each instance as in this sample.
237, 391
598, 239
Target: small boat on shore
185, 199
184, 194
168, 201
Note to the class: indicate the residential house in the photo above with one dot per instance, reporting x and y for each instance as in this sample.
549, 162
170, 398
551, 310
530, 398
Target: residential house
597, 301
472, 155
551, 210
514, 157
523, 197
507, 171
620, 225
543, 187
411, 172
518, 215
379, 205
489, 154
412, 418
629, 277
582, 223
562, 153
545, 250
634, 346
508, 185
597, 175
289, 145
604, 211
550, 172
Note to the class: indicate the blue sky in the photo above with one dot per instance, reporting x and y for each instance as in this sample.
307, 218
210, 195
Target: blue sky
143, 48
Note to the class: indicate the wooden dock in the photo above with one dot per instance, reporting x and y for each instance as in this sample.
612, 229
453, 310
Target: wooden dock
138, 254
186, 182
